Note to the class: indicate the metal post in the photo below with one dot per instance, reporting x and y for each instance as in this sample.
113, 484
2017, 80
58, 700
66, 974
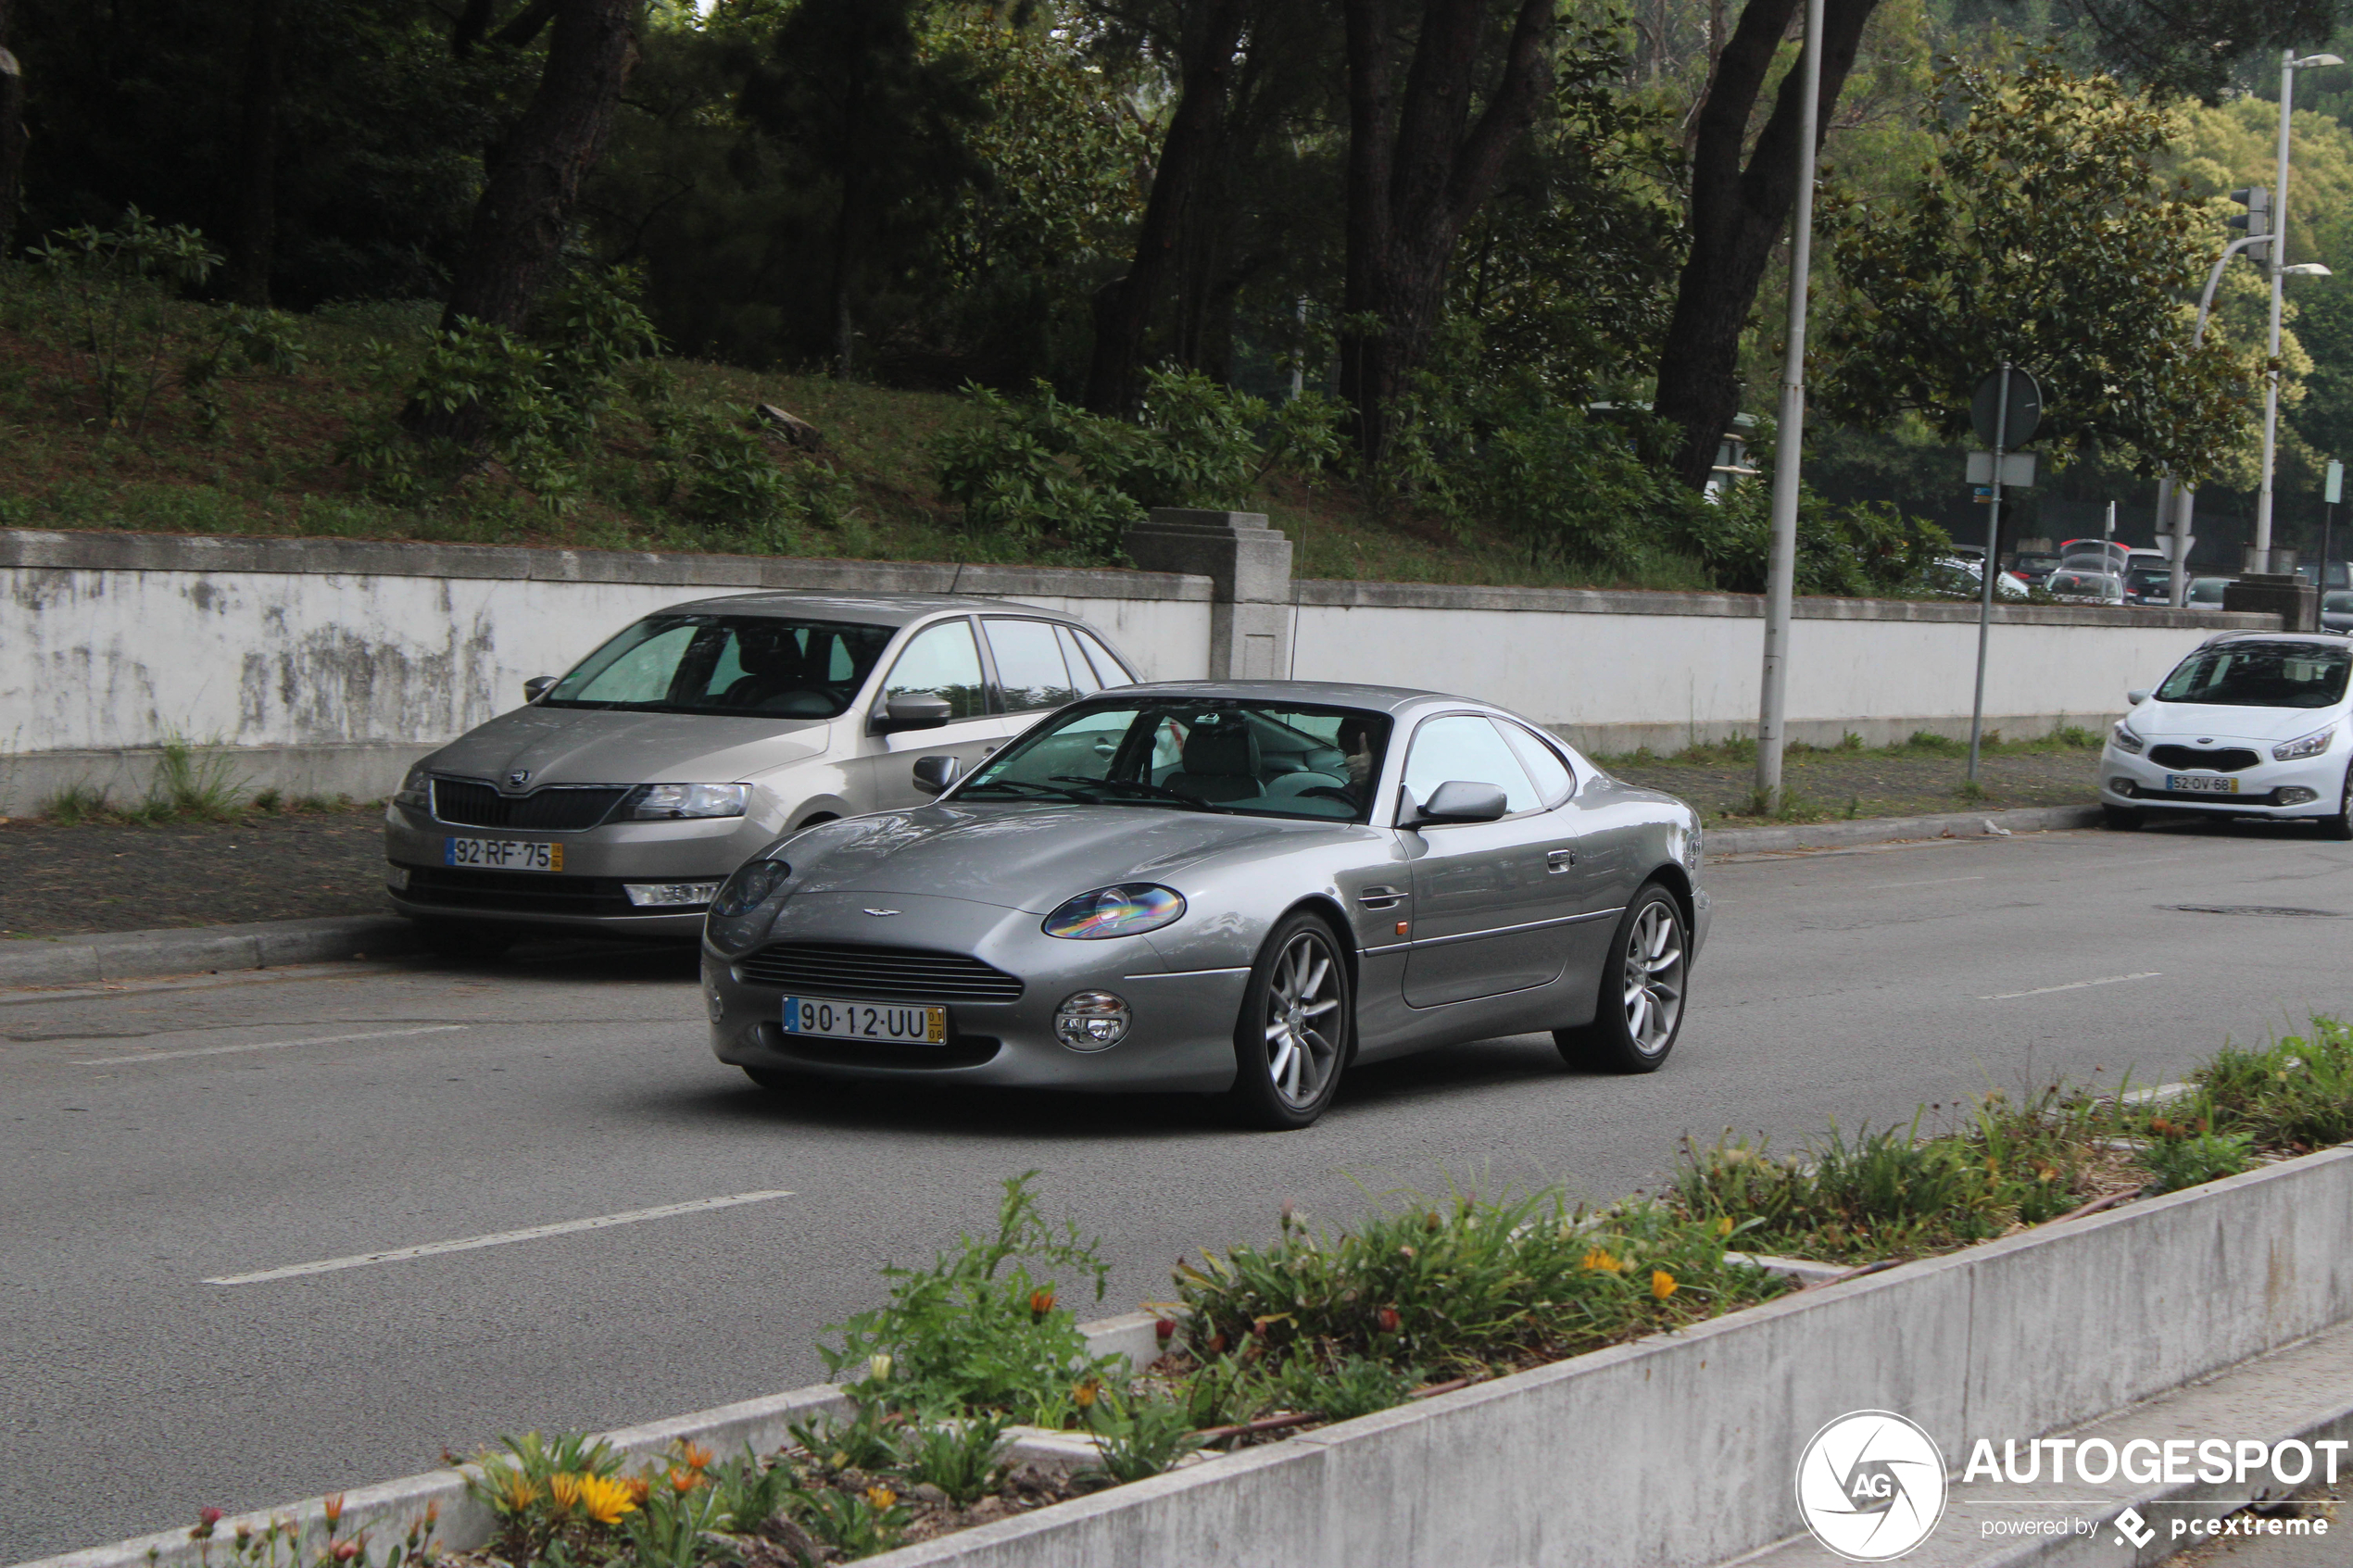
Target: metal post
1985, 599
1780, 567
2185, 497
2273, 258
2164, 505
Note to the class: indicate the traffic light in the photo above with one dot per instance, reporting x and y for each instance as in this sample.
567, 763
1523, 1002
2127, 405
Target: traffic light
2256, 219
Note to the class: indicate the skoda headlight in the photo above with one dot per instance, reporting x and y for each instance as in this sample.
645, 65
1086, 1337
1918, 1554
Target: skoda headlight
2307, 746
1124, 910
749, 887
416, 789
2124, 740
663, 802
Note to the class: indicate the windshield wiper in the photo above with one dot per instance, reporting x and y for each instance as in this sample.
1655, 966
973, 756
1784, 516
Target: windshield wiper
1157, 793
969, 791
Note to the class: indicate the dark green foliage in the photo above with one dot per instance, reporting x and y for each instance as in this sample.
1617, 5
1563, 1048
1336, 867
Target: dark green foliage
1860, 548
962, 1458
1354, 1386
1138, 1436
2299, 1092
2197, 1158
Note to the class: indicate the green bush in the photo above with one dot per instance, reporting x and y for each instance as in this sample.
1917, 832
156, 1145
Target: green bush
1859, 550
2187, 1161
1138, 1437
2298, 1093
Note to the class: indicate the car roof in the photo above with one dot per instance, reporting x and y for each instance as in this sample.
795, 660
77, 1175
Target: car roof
880, 610
1322, 694
2325, 639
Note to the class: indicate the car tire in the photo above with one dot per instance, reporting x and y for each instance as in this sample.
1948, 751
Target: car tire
1297, 1028
1645, 979
2340, 825
450, 939
2123, 818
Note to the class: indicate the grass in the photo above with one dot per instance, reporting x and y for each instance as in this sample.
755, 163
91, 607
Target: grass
271, 466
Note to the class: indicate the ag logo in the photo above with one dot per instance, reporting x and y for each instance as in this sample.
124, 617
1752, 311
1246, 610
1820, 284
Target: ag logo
1871, 1486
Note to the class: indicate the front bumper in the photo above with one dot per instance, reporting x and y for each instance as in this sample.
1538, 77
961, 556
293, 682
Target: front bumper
2309, 786
1182, 1036
588, 895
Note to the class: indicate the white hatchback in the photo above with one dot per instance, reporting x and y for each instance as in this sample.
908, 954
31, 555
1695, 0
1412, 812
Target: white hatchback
2252, 724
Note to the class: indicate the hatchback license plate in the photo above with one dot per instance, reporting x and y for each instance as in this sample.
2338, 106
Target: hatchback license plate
879, 1021
2198, 784
502, 854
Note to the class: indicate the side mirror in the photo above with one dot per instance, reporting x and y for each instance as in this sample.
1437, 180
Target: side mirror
536, 688
936, 773
1459, 800
912, 710
2138, 698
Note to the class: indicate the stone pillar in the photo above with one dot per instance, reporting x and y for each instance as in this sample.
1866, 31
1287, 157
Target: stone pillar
1249, 612
2285, 594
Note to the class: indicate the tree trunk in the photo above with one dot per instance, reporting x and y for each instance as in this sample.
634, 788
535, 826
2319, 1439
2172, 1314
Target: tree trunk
853, 204
1738, 216
12, 134
527, 206
1123, 305
254, 231
1418, 170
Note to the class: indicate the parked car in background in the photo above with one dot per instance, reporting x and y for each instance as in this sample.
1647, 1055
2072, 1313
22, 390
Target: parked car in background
2102, 555
1962, 577
2252, 724
2337, 610
2147, 585
2032, 567
1213, 886
2077, 585
2206, 593
621, 794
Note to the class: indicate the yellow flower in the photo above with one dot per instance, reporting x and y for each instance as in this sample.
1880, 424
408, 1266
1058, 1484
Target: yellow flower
1724, 1226
605, 1499
1085, 1393
696, 1456
881, 1496
564, 1492
1662, 1284
516, 1492
1601, 1261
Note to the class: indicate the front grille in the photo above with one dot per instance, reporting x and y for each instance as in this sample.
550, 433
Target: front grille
883, 974
522, 893
962, 1050
559, 809
2221, 758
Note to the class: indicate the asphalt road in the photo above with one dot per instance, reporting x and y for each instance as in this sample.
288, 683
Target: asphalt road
312, 1115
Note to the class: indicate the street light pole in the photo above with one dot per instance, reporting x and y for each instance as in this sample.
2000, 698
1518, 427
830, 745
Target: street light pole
1780, 567
2273, 258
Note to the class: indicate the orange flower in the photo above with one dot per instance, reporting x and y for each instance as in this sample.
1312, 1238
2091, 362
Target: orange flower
696, 1456
1389, 1318
881, 1496
1662, 1284
1041, 1300
1601, 1260
334, 1512
683, 1481
1084, 1395
639, 1488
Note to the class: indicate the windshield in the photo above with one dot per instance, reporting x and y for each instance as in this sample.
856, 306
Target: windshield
752, 665
2261, 675
2151, 579
1216, 754
2097, 584
2207, 590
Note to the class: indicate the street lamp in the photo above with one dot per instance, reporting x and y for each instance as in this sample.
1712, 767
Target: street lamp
2289, 66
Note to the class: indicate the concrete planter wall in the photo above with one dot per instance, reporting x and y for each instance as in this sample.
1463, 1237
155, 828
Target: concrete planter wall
329, 665
1678, 1449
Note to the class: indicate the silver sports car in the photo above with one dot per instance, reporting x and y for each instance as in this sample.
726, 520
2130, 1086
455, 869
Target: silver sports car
1219, 887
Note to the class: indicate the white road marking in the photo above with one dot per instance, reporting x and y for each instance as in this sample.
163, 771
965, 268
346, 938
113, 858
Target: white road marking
2072, 985
1931, 882
467, 1244
269, 1045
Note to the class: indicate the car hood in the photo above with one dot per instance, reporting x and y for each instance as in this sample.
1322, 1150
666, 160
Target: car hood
599, 746
1026, 857
2172, 721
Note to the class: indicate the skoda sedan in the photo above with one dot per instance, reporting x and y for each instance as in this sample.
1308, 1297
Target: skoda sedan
1240, 887
619, 796
2252, 724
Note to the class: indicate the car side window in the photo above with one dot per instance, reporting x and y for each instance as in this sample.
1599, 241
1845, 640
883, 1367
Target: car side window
1030, 670
942, 662
1107, 669
1465, 746
1082, 674
1551, 776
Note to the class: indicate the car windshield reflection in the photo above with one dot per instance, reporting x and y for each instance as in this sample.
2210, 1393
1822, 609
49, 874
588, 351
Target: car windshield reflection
2261, 675
1223, 755
751, 665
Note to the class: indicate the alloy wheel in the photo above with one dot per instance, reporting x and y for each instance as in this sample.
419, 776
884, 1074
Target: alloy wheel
1303, 1007
1654, 978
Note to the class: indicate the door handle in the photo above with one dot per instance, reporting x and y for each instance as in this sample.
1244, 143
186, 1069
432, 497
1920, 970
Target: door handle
1556, 860
1378, 898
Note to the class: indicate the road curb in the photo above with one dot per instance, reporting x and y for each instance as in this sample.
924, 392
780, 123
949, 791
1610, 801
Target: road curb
1888, 830
131, 955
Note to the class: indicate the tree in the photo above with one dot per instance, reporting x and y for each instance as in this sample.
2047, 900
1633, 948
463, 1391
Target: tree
12, 134
1419, 165
2036, 235
252, 241
2194, 49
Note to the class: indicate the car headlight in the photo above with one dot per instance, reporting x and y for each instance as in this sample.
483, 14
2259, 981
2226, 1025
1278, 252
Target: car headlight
749, 887
668, 802
1116, 911
416, 789
2124, 740
2306, 746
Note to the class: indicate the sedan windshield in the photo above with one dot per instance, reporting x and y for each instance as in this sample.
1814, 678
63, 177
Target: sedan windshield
2261, 675
752, 665
1217, 754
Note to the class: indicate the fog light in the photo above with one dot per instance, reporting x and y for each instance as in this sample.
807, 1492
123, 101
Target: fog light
1091, 1021
670, 894
2123, 786
714, 1003
396, 878
2297, 795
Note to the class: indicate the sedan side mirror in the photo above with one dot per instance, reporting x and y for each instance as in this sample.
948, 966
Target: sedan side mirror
536, 688
1460, 800
936, 773
2138, 698
912, 710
